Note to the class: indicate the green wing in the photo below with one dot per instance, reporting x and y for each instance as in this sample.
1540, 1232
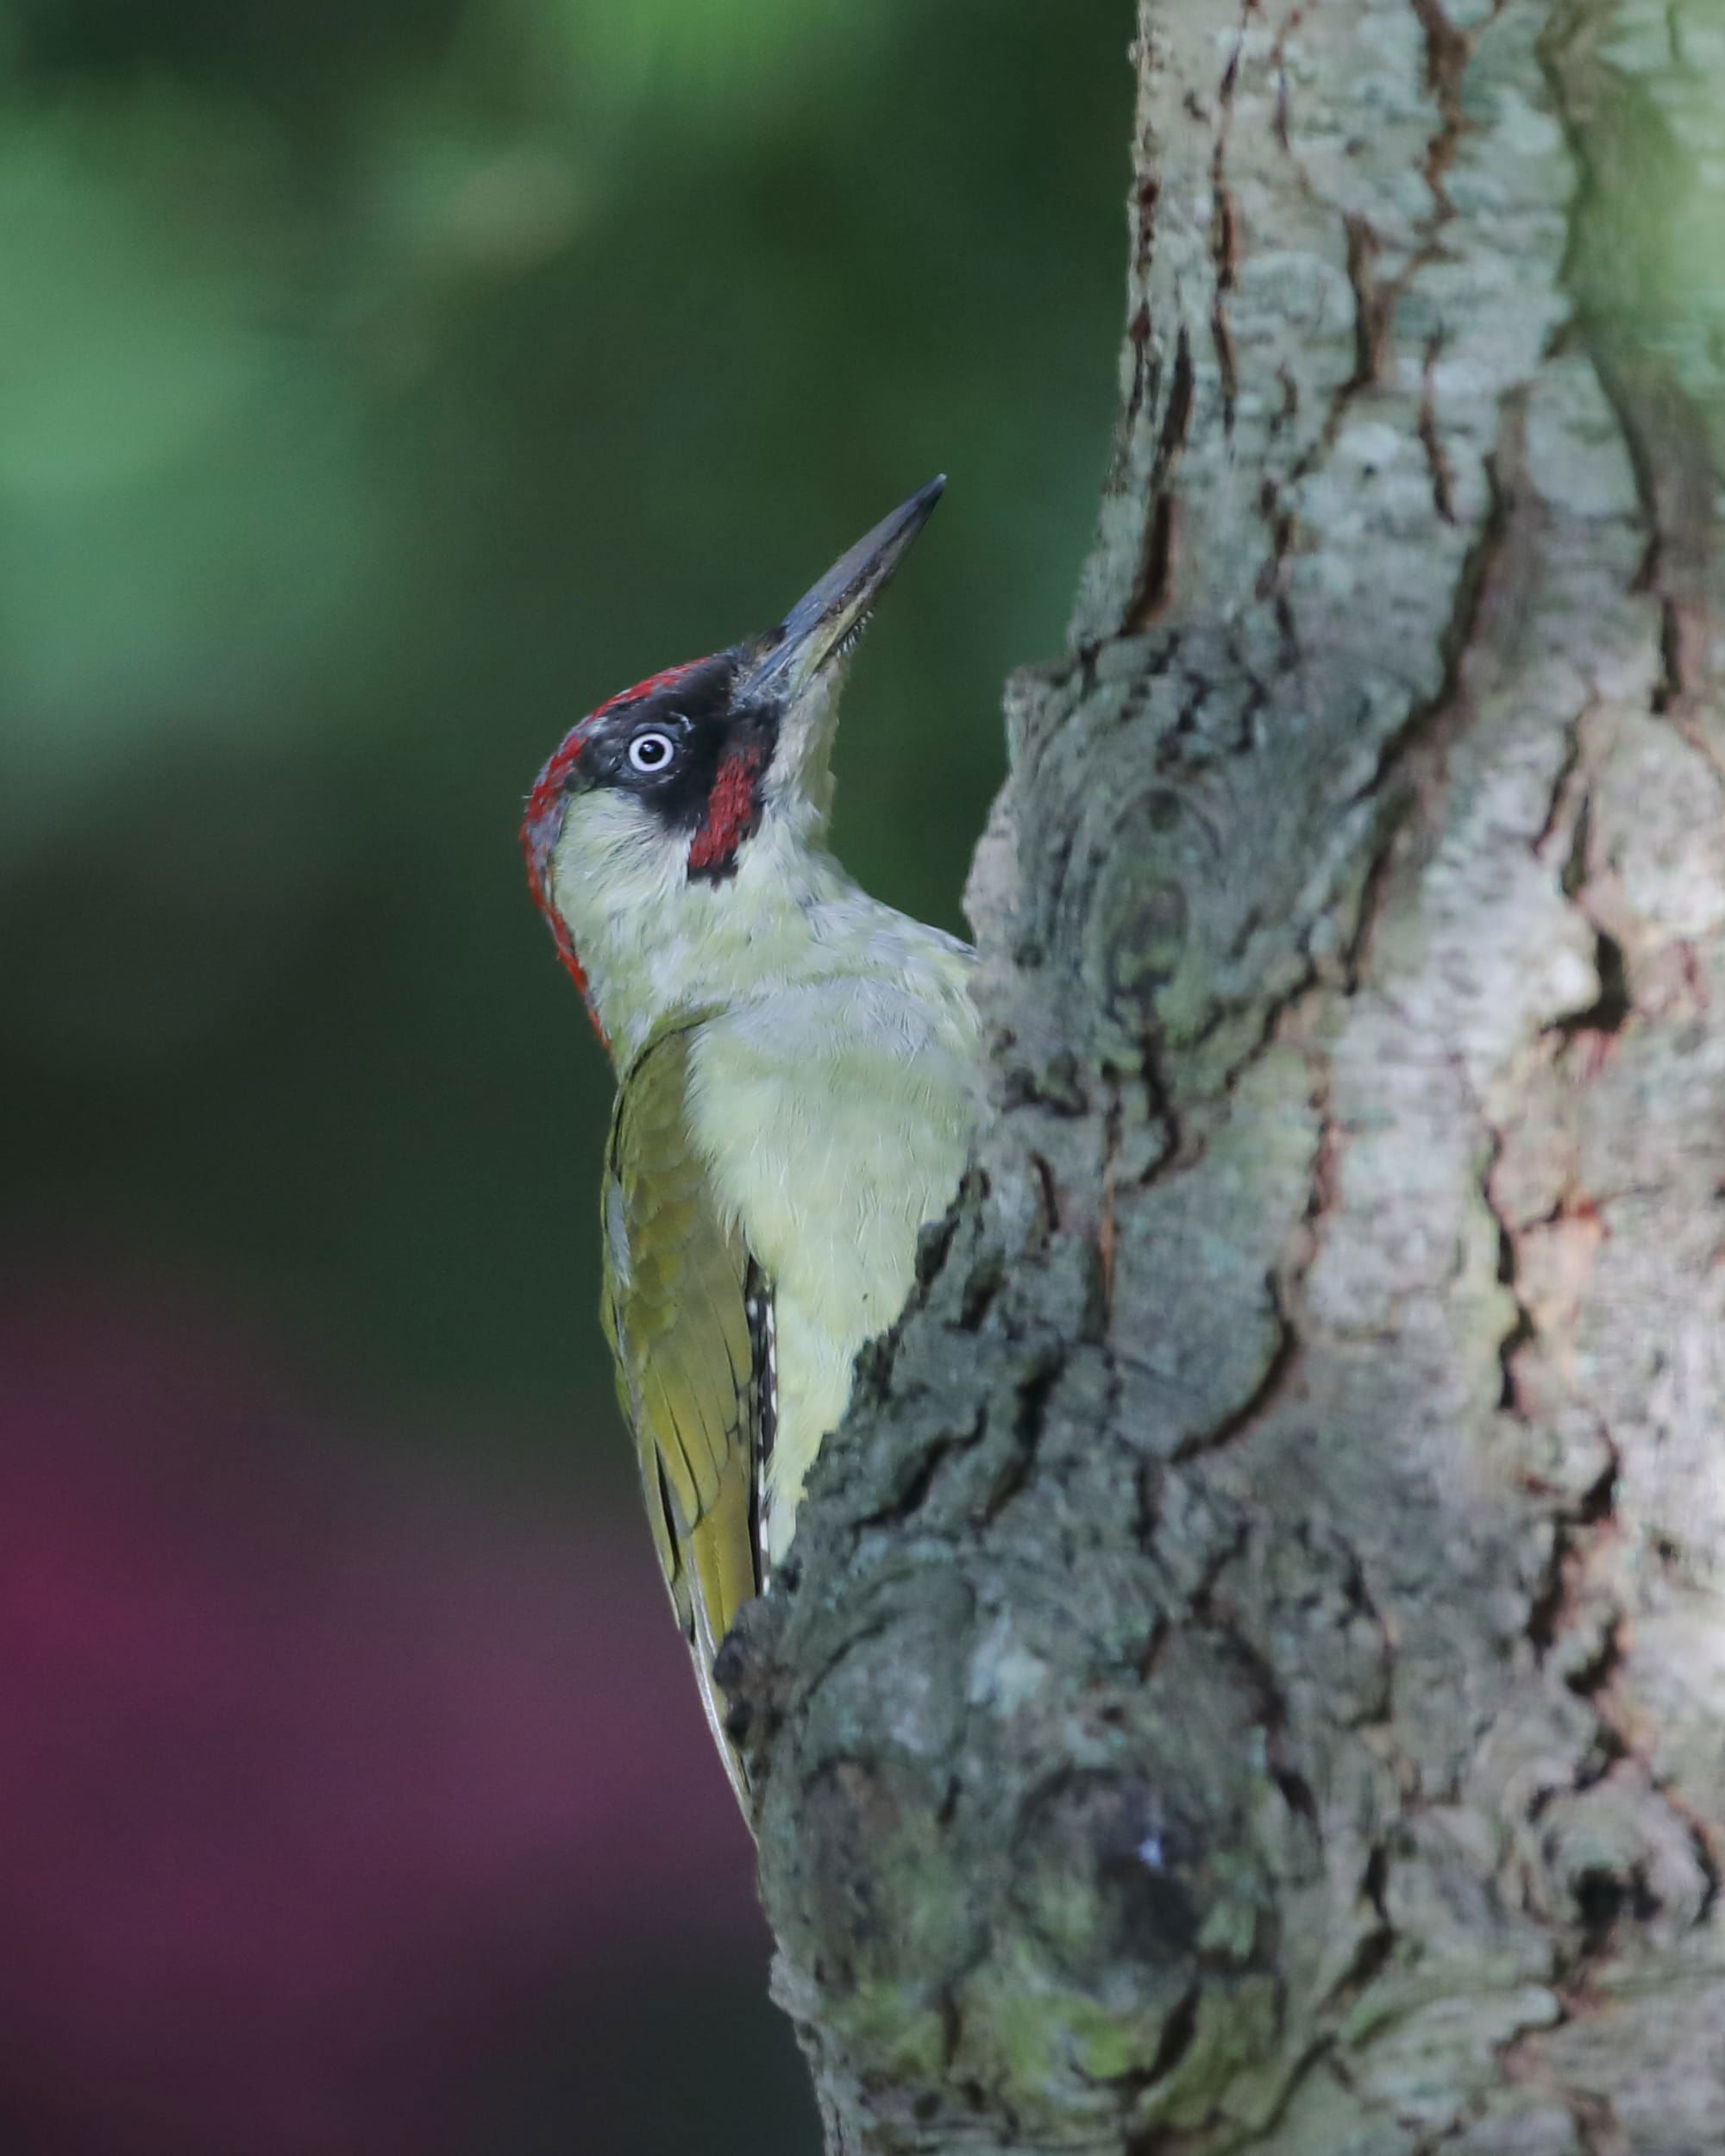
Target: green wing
676, 1312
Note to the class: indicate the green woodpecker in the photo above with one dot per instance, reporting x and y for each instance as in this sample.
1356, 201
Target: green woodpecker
798, 1076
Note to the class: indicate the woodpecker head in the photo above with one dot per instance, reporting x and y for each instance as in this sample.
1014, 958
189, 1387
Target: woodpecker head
673, 826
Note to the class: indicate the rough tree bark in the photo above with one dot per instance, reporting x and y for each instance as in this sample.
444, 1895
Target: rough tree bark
1252, 1675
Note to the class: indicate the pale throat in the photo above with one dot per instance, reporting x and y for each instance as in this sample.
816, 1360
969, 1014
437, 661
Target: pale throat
653, 941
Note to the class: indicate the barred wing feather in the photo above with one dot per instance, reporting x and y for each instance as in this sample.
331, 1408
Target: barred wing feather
679, 1299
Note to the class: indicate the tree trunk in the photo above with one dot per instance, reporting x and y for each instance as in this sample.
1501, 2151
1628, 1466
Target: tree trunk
1252, 1673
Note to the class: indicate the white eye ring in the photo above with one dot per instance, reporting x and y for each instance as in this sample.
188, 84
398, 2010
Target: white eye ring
651, 753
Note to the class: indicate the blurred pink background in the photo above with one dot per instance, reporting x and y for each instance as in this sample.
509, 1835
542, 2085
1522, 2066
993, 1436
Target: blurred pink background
344, 1808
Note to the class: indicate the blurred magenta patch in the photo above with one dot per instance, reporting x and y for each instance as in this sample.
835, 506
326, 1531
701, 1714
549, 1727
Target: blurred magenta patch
316, 1775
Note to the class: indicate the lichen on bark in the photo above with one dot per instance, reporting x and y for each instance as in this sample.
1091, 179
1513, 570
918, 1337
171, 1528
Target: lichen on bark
1250, 1675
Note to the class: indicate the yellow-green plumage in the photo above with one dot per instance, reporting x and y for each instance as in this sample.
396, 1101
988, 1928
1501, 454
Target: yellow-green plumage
790, 1144
676, 1314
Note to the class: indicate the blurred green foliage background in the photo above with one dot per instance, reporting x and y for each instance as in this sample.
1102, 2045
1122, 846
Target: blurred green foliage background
382, 383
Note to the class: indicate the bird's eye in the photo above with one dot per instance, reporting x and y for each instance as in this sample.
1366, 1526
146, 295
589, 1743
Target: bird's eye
651, 752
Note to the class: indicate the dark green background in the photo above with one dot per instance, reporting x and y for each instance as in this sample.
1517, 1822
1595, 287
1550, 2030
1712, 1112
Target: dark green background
380, 387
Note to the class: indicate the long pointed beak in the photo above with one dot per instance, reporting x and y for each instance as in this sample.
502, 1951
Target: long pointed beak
818, 625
